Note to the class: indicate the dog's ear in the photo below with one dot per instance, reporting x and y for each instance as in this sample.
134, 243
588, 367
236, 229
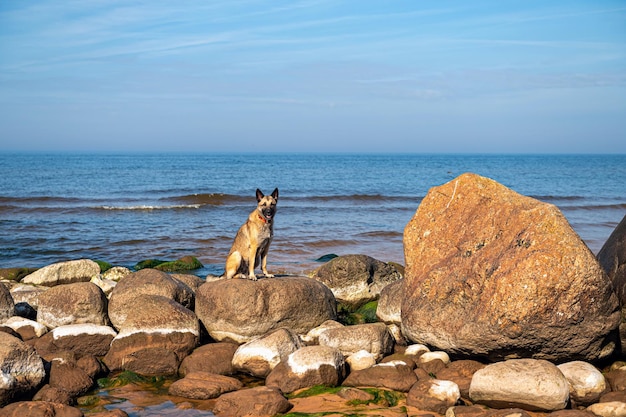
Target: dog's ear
275, 194
259, 195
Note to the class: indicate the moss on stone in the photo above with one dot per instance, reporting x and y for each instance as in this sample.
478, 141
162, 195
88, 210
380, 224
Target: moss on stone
104, 266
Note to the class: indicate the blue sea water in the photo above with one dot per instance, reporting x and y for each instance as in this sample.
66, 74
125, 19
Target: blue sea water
123, 208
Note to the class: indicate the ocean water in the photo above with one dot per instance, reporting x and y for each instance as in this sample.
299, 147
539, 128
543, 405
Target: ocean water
124, 208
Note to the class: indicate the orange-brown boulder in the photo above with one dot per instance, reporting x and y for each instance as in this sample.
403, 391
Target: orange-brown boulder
493, 273
612, 257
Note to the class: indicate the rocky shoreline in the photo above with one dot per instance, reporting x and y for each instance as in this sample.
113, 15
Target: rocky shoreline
501, 310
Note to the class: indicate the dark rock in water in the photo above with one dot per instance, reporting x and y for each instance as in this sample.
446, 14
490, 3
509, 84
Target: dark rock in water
259, 401
187, 263
492, 273
215, 358
148, 263
15, 274
204, 386
326, 258
40, 408
356, 279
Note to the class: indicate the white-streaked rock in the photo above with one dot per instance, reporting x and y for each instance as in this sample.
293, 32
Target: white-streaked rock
586, 382
21, 325
259, 356
312, 337
361, 360
416, 349
431, 356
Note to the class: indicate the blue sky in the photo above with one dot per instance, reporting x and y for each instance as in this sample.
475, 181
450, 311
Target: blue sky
313, 76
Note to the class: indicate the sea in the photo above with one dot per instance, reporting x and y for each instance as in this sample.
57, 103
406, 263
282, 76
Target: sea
123, 208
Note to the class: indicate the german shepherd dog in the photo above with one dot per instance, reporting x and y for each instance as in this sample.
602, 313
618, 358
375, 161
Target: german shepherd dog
253, 239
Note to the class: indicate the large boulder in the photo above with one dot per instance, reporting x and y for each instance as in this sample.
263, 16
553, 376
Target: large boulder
83, 339
239, 310
81, 302
214, 358
612, 257
21, 368
390, 303
356, 279
155, 339
81, 270
530, 384
145, 282
492, 273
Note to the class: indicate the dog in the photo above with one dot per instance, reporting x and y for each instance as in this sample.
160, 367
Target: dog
252, 241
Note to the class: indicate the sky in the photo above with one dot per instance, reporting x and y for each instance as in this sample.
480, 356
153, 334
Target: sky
313, 76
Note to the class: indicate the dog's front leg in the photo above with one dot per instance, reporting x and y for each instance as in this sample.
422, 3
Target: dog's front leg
264, 265
252, 262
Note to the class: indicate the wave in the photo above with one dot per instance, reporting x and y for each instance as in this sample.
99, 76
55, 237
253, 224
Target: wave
144, 207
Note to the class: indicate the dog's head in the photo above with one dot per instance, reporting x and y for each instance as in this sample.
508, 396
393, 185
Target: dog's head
267, 204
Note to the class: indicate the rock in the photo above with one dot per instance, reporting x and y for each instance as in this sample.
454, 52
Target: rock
586, 382
192, 281
52, 394
610, 409
204, 386
612, 257
239, 310
15, 274
307, 367
106, 285
84, 339
186, 263
530, 384
7, 305
145, 282
81, 302
496, 274
67, 376
81, 270
617, 379
460, 372
155, 339
361, 360
116, 273
372, 337
312, 337
21, 368
27, 329
393, 375
40, 409
356, 279
432, 356
433, 395
390, 302
28, 294
214, 358
252, 402
259, 356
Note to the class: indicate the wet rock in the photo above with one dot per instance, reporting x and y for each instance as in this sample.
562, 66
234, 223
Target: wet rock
356, 279
252, 402
54, 395
81, 270
214, 358
204, 386
307, 367
145, 282
433, 395
155, 339
67, 376
529, 384
259, 356
81, 302
7, 305
84, 339
396, 376
22, 369
239, 310
586, 382
496, 274
40, 409
371, 337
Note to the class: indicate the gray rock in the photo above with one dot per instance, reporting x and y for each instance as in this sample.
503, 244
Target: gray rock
390, 303
22, 369
530, 384
240, 310
372, 337
81, 270
356, 279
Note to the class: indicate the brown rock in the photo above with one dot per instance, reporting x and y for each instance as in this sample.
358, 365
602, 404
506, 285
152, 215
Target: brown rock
617, 379
81, 302
22, 368
7, 305
145, 282
67, 376
204, 386
54, 395
398, 377
239, 310
612, 257
371, 337
215, 358
83, 339
356, 279
493, 273
433, 395
252, 402
39, 409
390, 302
460, 372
